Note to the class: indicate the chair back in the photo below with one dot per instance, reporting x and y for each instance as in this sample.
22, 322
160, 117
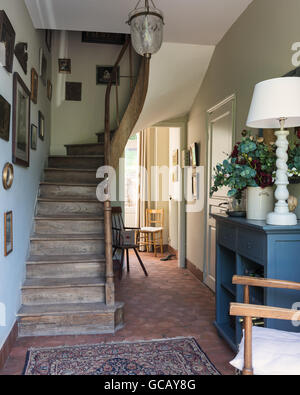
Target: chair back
117, 225
155, 218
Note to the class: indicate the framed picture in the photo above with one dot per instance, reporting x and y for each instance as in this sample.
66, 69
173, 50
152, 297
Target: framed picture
195, 186
8, 37
104, 74
41, 126
49, 90
43, 67
33, 137
103, 38
48, 39
22, 55
21, 122
8, 233
64, 66
194, 160
7, 176
73, 91
34, 85
4, 119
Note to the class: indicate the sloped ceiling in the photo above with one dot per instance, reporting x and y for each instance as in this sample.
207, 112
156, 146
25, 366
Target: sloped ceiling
192, 30
187, 21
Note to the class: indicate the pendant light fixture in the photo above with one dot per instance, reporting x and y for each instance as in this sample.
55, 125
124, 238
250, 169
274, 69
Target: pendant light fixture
146, 23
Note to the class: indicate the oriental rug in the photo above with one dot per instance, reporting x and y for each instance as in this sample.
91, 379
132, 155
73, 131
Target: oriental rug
179, 356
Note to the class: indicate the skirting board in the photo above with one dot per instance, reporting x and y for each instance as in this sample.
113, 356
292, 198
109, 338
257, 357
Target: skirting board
194, 270
8, 345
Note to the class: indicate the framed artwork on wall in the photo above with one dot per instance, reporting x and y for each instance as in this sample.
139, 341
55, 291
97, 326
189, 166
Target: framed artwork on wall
4, 119
8, 37
48, 39
194, 159
41, 126
33, 137
104, 74
43, 67
103, 38
64, 66
22, 55
34, 85
73, 91
21, 122
8, 233
49, 90
7, 176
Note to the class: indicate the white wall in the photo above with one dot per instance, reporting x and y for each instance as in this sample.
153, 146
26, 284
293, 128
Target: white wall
22, 196
78, 122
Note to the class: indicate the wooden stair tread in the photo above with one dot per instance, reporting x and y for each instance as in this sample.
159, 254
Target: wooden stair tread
58, 237
71, 217
41, 310
66, 184
65, 169
84, 145
63, 282
86, 258
67, 200
77, 156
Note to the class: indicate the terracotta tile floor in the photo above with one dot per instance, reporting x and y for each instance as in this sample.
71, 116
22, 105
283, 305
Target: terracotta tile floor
171, 302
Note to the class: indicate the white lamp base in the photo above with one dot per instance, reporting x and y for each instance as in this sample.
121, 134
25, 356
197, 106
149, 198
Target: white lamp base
288, 219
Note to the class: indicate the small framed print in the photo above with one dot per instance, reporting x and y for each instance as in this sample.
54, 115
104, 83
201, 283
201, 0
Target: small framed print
34, 85
105, 73
41, 126
8, 37
49, 90
8, 176
64, 66
194, 160
8, 233
4, 119
48, 39
34, 137
195, 185
43, 67
21, 122
73, 91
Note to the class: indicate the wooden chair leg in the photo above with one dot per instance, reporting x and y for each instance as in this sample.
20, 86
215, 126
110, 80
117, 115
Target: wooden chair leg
127, 260
161, 243
141, 262
248, 369
122, 259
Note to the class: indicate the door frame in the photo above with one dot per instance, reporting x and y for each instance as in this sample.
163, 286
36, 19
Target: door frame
231, 98
182, 124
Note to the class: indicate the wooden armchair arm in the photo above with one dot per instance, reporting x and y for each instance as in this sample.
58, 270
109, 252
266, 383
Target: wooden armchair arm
248, 310
265, 283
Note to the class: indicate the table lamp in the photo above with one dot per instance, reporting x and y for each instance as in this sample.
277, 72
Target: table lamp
276, 103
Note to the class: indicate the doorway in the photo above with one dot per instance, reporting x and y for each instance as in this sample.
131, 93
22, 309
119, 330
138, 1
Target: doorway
221, 137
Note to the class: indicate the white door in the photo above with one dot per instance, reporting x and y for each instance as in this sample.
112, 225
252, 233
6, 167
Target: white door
221, 131
174, 185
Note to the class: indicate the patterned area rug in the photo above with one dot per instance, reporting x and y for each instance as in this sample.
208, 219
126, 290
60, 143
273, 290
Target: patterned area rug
180, 356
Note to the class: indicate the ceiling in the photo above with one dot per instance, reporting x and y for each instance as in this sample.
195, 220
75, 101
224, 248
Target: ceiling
202, 22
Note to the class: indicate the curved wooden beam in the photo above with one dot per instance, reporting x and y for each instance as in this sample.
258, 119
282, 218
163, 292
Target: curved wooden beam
131, 115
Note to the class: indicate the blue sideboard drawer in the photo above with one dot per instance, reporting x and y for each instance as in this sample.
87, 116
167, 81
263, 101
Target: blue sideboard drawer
251, 244
227, 236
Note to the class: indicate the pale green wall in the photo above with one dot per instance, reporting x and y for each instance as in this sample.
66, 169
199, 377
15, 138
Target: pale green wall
78, 122
257, 47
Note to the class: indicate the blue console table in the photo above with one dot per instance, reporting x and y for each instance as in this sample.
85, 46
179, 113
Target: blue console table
247, 247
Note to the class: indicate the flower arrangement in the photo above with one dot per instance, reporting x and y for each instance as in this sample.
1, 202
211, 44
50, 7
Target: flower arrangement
252, 163
294, 156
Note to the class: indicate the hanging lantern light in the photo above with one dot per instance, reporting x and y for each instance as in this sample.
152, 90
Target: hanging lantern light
146, 23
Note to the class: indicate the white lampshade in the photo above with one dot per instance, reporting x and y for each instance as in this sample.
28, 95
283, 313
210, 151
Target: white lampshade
274, 99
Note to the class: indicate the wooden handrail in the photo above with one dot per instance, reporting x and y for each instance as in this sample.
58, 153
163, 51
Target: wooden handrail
265, 282
250, 310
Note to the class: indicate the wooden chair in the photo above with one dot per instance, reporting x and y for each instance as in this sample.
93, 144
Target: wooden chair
152, 233
249, 312
124, 239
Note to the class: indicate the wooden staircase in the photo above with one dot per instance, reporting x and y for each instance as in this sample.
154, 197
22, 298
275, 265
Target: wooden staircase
64, 292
